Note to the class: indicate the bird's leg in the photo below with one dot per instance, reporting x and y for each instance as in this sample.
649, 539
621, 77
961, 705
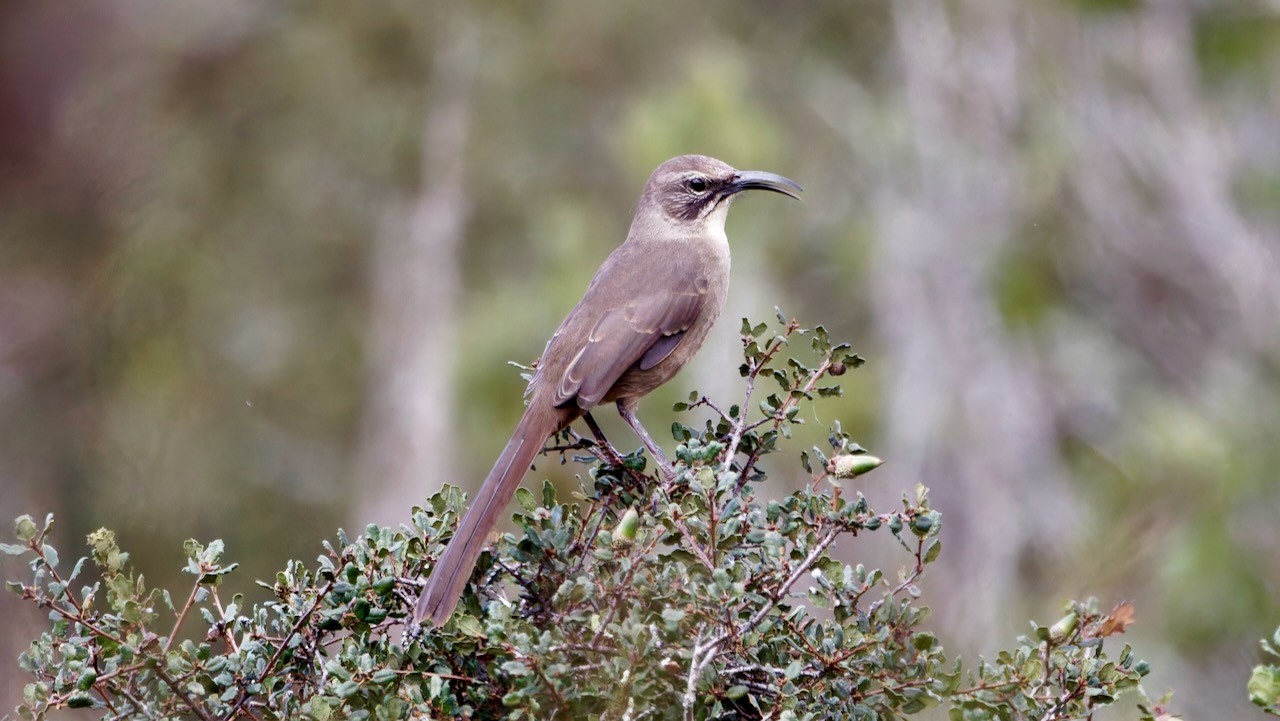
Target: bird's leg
659, 457
610, 452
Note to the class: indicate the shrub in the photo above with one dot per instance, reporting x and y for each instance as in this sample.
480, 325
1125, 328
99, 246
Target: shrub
642, 597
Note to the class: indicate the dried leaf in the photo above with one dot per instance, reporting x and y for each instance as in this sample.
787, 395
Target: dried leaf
1120, 618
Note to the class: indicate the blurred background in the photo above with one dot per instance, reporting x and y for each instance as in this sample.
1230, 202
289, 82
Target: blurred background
262, 266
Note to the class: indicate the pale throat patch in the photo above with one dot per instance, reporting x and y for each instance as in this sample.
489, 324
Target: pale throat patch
714, 221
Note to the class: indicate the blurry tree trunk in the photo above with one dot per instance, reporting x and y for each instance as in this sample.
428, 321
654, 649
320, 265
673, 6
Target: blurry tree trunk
1169, 262
407, 445
965, 412
46, 48
1181, 272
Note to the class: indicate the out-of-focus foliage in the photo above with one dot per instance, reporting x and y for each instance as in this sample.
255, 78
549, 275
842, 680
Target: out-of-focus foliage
1050, 224
647, 597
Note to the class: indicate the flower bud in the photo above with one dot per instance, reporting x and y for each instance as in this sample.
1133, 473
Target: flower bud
1063, 629
853, 464
624, 534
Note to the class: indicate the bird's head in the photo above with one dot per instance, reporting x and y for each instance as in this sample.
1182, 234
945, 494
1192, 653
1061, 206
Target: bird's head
694, 190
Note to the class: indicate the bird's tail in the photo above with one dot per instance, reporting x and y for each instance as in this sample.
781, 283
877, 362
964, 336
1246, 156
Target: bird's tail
449, 577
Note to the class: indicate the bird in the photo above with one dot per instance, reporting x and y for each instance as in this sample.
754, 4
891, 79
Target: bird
645, 313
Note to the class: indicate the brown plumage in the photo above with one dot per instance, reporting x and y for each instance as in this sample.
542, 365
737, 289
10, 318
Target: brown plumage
646, 312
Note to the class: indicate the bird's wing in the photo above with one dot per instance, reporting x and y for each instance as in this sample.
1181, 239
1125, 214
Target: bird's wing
640, 332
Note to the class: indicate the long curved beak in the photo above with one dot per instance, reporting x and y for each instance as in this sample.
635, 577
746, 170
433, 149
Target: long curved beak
761, 180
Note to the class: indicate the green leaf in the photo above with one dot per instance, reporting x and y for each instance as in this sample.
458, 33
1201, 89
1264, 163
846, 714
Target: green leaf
80, 700
75, 570
525, 498
318, 709
516, 668
24, 527
924, 641
469, 626
1264, 686
213, 551
12, 549
383, 585
346, 689
213, 576
672, 617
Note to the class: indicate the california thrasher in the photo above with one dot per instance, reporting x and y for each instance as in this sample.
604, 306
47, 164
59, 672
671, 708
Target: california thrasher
646, 312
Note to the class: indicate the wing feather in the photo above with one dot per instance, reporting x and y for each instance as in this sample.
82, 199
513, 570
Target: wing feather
627, 319
643, 332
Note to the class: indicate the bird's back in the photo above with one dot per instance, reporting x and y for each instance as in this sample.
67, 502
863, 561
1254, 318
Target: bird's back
598, 353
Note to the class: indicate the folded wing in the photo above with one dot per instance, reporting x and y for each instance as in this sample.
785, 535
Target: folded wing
641, 333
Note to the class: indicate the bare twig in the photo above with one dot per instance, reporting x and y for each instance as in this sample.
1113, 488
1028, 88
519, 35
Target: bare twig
182, 615
181, 692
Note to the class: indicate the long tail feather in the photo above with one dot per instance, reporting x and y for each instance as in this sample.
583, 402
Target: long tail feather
451, 572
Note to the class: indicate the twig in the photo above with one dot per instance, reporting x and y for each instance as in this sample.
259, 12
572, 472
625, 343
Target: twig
182, 615
703, 653
626, 583
195, 708
615, 460
691, 680
705, 401
739, 427
222, 621
271, 663
80, 619
137, 704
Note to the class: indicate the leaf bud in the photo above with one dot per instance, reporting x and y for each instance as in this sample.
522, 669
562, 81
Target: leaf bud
923, 523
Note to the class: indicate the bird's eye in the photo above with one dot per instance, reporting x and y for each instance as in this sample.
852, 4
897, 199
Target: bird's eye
697, 185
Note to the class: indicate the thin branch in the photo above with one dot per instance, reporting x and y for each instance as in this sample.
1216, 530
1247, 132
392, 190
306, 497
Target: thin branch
182, 615
194, 707
691, 680
222, 620
302, 620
